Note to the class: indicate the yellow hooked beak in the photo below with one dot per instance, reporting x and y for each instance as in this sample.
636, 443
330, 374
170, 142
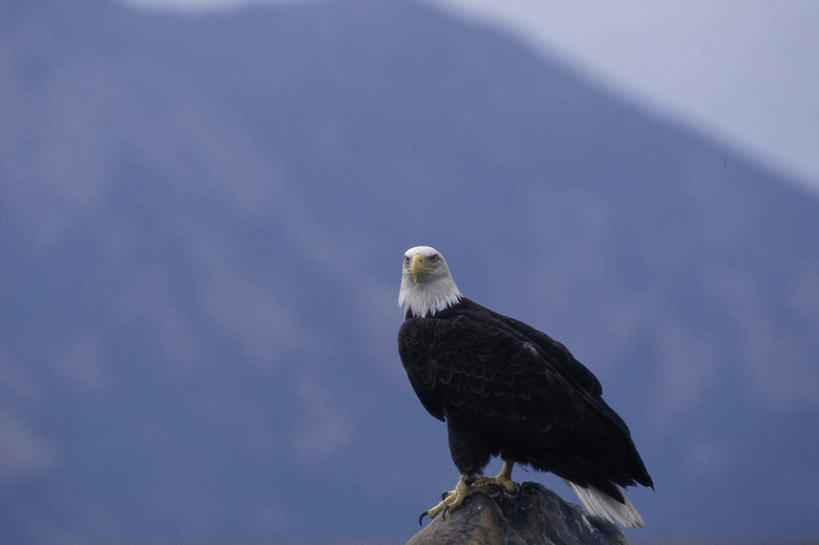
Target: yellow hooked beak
417, 266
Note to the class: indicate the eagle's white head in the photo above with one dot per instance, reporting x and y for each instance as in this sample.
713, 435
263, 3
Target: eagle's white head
426, 283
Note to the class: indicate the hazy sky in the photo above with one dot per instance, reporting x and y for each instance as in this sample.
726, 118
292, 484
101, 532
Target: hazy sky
746, 71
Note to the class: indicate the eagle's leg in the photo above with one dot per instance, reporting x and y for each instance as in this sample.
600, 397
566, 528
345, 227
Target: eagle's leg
467, 486
503, 479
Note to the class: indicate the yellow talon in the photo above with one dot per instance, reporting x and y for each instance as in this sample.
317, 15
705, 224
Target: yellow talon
503, 479
453, 498
467, 486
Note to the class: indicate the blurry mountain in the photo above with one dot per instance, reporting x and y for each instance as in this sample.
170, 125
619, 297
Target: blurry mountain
202, 221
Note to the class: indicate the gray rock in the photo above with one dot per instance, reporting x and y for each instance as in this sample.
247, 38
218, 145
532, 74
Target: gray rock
535, 515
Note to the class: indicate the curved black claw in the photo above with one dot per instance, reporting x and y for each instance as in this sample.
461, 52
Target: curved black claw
443, 513
421, 518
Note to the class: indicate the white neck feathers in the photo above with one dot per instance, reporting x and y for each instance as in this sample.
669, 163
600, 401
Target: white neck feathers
427, 298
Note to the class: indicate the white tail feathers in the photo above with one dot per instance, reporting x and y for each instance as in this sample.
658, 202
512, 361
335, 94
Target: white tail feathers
604, 506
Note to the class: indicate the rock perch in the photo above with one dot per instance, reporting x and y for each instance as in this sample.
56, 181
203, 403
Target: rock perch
535, 515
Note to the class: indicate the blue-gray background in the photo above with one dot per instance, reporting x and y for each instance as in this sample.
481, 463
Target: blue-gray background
201, 224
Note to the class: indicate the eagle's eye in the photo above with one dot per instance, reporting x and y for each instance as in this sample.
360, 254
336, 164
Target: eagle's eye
433, 258
406, 259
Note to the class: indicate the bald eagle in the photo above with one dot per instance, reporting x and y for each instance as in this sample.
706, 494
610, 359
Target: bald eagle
506, 389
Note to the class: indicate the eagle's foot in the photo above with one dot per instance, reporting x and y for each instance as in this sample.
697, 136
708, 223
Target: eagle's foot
489, 483
454, 498
502, 480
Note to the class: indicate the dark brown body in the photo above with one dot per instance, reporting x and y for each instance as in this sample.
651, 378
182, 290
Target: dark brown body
506, 389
